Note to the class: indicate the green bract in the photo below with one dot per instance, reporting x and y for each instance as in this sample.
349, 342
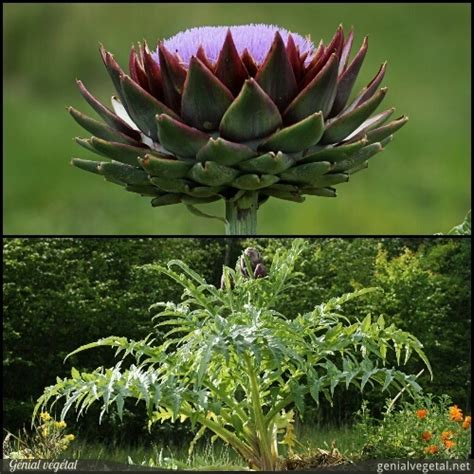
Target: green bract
232, 364
237, 127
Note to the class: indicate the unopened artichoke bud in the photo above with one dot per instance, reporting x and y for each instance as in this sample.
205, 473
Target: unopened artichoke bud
254, 257
260, 271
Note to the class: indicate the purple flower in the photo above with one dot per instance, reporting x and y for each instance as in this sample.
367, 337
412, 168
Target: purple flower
239, 113
256, 38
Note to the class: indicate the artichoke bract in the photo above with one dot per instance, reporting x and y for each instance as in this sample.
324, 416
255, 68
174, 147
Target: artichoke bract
239, 113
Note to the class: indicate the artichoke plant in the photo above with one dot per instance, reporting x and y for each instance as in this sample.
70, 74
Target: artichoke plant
240, 113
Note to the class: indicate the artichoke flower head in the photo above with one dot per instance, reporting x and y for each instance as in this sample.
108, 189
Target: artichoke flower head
250, 265
251, 261
239, 113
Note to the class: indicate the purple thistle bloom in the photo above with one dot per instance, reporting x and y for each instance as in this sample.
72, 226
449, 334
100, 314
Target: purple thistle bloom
240, 113
256, 38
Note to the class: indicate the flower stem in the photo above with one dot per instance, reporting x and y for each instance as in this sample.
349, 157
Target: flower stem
267, 462
241, 214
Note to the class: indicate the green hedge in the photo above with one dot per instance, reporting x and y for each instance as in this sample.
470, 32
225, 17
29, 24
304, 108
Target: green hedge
61, 293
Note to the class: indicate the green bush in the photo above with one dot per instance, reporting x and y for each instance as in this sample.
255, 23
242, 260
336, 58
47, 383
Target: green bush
427, 292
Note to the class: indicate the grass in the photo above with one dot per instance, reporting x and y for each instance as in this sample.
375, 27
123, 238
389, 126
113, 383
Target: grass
212, 456
346, 438
206, 456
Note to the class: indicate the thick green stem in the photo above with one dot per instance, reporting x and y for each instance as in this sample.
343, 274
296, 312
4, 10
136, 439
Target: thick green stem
268, 459
241, 214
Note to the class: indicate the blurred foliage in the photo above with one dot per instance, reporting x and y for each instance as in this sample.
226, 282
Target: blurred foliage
419, 185
61, 293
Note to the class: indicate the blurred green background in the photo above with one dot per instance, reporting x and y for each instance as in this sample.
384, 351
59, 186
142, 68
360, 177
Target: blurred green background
419, 185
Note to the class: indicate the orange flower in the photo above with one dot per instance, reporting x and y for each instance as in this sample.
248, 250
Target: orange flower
455, 413
421, 413
449, 444
467, 422
426, 436
432, 449
445, 435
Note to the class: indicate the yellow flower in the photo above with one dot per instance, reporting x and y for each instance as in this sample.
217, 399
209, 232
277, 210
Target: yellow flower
467, 422
421, 413
60, 424
455, 413
70, 437
45, 416
45, 432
